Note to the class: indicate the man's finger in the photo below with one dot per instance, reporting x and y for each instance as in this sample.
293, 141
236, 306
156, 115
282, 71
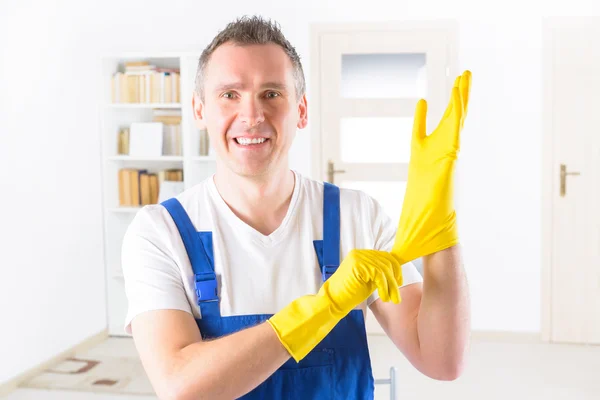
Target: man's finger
420, 121
457, 81
465, 91
450, 106
395, 292
456, 104
382, 286
397, 267
392, 283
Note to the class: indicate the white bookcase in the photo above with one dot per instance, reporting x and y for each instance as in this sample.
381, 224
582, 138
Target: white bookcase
195, 166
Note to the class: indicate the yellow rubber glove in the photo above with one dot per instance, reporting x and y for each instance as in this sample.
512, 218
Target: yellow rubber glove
428, 219
303, 323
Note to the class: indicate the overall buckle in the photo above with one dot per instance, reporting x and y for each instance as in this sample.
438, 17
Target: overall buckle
206, 287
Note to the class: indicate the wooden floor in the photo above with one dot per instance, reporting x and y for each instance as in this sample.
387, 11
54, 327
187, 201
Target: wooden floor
497, 370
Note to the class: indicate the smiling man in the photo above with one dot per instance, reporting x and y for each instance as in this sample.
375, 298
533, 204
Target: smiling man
254, 283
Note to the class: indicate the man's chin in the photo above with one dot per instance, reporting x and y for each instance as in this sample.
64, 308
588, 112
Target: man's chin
252, 171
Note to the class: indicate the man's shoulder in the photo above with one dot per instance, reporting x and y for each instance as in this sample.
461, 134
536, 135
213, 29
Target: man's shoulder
195, 194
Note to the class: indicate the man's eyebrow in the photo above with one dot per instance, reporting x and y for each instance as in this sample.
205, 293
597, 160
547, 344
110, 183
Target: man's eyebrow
228, 86
275, 85
239, 86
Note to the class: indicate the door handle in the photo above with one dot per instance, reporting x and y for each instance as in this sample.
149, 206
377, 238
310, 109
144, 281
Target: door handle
331, 171
563, 179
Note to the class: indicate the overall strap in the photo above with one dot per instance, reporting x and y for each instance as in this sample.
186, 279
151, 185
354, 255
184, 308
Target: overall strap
198, 246
329, 247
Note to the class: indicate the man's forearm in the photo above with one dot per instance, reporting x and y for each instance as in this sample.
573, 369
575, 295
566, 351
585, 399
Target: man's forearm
444, 320
228, 367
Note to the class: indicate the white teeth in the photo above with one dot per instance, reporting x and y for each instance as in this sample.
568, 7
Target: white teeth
245, 141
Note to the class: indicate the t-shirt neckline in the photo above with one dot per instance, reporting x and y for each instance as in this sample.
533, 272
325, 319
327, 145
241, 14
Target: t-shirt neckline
266, 240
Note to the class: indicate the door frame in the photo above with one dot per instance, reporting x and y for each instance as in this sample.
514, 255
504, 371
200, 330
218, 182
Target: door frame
547, 199
317, 30
549, 178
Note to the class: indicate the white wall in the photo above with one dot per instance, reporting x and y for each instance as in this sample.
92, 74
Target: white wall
500, 172
52, 283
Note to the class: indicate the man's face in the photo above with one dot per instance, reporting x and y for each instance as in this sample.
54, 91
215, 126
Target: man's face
250, 108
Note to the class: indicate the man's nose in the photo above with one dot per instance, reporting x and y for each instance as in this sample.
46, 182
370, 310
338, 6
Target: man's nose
251, 112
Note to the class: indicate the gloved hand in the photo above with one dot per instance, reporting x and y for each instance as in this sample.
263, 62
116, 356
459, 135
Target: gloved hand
303, 323
428, 219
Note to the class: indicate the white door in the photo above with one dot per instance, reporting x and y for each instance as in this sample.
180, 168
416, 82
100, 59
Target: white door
573, 122
369, 79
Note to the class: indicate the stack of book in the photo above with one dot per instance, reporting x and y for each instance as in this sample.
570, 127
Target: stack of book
139, 187
142, 82
160, 137
171, 120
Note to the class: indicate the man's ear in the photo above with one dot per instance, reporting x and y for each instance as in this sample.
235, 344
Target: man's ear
198, 111
302, 113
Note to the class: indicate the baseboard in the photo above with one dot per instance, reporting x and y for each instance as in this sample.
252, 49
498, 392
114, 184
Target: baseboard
507, 336
84, 345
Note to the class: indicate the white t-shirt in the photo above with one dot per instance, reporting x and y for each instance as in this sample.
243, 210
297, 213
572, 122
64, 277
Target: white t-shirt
256, 274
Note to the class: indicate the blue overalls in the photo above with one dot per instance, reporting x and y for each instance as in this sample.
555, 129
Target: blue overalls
339, 367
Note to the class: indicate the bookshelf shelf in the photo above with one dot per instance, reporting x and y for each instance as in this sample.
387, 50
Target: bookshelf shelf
169, 103
148, 159
144, 105
203, 158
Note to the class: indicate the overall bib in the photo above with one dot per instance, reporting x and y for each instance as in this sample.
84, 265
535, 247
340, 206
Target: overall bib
339, 367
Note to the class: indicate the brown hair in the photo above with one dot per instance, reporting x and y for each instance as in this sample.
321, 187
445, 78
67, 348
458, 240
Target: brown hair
248, 31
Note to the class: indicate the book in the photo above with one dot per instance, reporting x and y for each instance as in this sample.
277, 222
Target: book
138, 187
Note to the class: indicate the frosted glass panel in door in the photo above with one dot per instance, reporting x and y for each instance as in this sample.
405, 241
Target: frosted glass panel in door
389, 194
383, 76
375, 140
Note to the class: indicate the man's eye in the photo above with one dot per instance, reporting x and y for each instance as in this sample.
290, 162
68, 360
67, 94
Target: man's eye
228, 95
272, 95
